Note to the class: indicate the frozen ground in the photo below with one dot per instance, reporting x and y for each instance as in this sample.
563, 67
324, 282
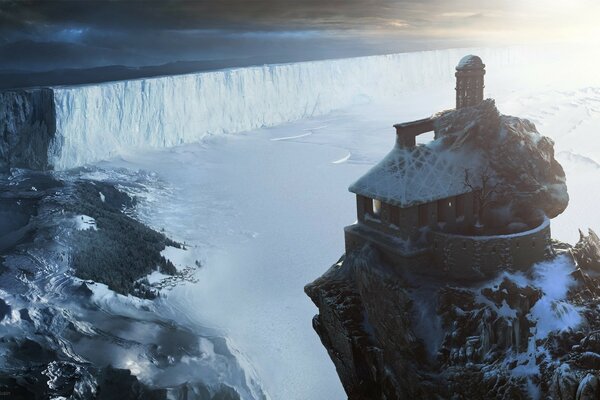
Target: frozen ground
264, 210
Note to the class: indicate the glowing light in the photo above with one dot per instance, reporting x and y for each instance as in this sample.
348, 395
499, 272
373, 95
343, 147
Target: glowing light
397, 23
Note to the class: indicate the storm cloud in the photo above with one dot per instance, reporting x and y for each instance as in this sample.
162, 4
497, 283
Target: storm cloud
218, 14
47, 35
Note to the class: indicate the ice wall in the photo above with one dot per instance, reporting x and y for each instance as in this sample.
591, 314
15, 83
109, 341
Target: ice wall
98, 121
95, 122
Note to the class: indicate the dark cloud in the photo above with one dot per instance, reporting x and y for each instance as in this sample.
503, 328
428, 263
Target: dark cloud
242, 15
51, 34
40, 35
219, 14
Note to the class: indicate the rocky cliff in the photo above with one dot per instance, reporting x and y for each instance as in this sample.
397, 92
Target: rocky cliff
392, 335
27, 127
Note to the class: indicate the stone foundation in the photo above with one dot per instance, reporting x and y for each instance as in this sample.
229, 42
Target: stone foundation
480, 256
457, 256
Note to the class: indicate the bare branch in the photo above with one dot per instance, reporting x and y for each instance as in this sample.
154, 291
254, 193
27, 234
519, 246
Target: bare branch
467, 180
485, 190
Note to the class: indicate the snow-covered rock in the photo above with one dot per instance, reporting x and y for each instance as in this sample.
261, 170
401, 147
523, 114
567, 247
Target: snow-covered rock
393, 335
531, 183
587, 251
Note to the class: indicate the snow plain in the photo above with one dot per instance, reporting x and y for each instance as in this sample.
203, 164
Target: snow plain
264, 210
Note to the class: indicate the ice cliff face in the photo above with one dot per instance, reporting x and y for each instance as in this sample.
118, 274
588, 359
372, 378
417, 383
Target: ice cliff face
95, 122
27, 126
516, 336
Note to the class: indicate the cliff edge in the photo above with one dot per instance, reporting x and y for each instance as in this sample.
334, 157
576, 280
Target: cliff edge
393, 335
27, 127
462, 319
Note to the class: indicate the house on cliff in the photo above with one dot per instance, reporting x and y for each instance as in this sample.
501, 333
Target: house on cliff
418, 205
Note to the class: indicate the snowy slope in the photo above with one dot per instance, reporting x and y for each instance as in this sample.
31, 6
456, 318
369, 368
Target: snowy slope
96, 122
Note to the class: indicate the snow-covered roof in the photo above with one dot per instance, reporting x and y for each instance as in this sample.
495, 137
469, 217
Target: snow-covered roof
470, 62
410, 176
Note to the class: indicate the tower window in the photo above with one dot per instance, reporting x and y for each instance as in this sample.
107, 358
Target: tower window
377, 207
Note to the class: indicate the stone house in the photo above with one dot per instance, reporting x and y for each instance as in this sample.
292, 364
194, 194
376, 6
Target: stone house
415, 207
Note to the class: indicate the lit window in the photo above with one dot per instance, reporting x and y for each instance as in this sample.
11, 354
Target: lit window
376, 207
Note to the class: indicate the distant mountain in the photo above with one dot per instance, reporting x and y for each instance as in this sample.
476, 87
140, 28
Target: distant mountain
10, 79
29, 55
28, 63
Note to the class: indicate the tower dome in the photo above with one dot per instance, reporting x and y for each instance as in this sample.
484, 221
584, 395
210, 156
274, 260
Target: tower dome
470, 62
469, 81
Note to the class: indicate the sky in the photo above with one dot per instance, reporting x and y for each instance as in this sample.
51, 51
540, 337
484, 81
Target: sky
46, 35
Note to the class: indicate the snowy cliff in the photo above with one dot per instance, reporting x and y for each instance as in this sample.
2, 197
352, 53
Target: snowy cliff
96, 122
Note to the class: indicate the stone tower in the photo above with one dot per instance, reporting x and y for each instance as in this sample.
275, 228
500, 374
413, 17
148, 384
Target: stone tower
469, 81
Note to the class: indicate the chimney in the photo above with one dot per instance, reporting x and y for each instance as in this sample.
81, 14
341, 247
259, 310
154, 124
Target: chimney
406, 133
469, 81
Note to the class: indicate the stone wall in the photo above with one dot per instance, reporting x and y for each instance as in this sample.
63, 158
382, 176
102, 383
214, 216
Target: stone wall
472, 257
454, 256
408, 223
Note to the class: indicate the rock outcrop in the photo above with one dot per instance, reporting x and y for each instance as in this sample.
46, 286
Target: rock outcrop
531, 183
27, 127
393, 335
587, 251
